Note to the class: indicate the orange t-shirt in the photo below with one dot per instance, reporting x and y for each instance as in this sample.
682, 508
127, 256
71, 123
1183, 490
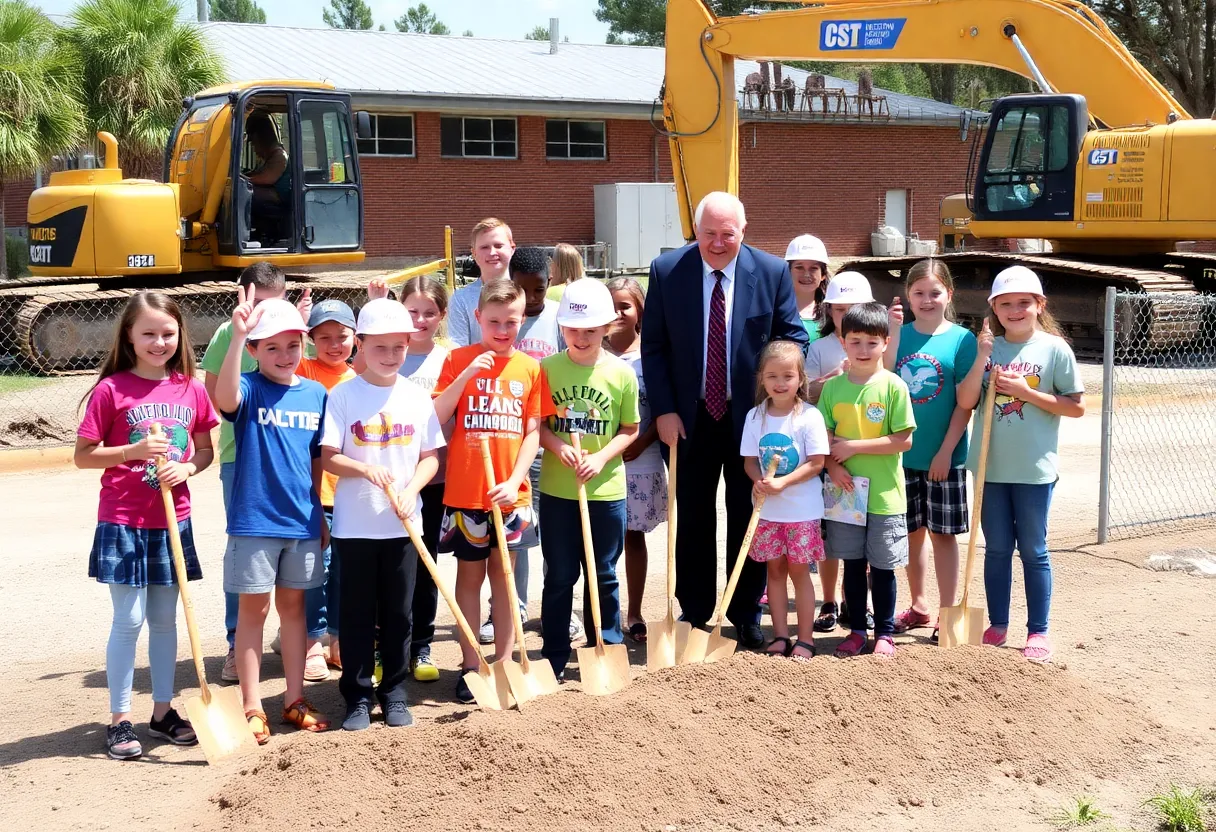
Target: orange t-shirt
497, 405
329, 378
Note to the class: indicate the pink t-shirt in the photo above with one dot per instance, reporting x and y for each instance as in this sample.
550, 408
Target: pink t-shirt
120, 412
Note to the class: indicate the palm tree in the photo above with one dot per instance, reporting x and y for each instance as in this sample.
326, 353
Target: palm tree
139, 61
39, 88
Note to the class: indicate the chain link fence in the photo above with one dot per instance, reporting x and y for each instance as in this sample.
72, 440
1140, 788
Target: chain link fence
1158, 415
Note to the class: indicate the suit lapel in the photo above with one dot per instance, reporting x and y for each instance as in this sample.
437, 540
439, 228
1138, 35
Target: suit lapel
694, 290
745, 289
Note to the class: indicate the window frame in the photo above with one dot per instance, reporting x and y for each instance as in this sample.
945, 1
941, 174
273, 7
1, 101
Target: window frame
569, 157
492, 141
376, 138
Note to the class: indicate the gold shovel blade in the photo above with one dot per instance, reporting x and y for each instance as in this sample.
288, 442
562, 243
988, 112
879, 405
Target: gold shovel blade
696, 644
535, 680
491, 692
220, 725
660, 644
513, 675
960, 625
720, 647
603, 673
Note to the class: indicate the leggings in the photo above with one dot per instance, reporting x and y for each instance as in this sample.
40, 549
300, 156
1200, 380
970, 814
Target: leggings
132, 605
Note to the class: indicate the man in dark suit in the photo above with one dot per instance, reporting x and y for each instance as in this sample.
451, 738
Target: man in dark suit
710, 309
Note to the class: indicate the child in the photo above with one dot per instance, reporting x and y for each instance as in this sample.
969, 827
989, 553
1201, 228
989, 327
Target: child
1037, 381
594, 394
493, 244
645, 476
276, 530
380, 431
148, 378
567, 267
869, 420
494, 392
808, 259
788, 536
932, 355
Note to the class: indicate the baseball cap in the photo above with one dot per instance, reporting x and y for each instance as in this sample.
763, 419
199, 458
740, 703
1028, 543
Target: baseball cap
328, 310
807, 247
849, 287
586, 304
277, 315
384, 317
1014, 280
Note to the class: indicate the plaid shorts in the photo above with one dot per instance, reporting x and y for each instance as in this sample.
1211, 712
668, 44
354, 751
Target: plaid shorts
140, 557
940, 507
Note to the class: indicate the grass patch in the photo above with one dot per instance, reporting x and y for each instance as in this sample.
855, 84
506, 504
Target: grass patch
1180, 811
1083, 811
17, 384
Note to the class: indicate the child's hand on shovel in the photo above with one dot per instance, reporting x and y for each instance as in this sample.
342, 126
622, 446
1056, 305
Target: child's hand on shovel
174, 474
504, 495
569, 456
378, 476
589, 468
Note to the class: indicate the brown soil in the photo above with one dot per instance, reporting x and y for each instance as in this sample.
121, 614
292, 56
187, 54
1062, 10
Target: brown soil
704, 746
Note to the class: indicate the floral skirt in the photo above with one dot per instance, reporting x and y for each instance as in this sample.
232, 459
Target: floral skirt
645, 501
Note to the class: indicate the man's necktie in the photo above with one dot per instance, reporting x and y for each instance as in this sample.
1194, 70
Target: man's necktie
715, 354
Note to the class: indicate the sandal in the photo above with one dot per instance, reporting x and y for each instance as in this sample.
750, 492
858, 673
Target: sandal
637, 632
786, 641
305, 716
259, 725
826, 622
1037, 649
995, 636
935, 639
808, 646
316, 669
911, 619
853, 645
884, 647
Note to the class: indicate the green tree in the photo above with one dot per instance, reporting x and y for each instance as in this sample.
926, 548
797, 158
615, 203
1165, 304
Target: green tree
237, 11
468, 33
138, 62
40, 112
347, 14
538, 33
421, 19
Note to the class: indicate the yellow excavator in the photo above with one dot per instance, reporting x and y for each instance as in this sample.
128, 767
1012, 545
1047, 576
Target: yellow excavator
1103, 162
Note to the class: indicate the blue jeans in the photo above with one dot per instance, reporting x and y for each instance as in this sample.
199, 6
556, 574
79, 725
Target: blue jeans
133, 605
562, 548
1015, 516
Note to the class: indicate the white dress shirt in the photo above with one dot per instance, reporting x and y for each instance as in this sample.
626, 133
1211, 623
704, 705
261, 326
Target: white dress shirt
728, 290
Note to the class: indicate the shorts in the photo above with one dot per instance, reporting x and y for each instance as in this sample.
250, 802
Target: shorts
796, 542
140, 557
940, 507
882, 541
645, 501
468, 533
256, 565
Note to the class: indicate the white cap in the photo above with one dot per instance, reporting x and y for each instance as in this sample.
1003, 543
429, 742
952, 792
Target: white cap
586, 304
384, 317
807, 247
1016, 280
849, 287
277, 315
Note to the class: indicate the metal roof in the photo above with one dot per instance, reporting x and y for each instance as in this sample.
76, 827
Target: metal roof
471, 73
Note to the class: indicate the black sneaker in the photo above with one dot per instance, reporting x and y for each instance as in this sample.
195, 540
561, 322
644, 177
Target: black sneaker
358, 717
827, 620
463, 694
121, 742
173, 728
869, 620
396, 714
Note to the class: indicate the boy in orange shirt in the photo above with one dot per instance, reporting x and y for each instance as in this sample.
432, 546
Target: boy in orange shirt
494, 392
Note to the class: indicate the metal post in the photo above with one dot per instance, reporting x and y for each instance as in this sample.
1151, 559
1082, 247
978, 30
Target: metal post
447, 255
204, 11
1108, 412
1031, 65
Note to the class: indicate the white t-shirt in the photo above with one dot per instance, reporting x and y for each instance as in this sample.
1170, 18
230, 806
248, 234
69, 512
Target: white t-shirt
423, 370
650, 461
825, 355
463, 328
796, 436
389, 426
540, 336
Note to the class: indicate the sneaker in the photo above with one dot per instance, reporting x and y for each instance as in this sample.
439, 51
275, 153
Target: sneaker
486, 634
422, 667
828, 617
463, 694
228, 674
576, 628
315, 667
995, 636
276, 646
173, 728
121, 742
396, 714
358, 717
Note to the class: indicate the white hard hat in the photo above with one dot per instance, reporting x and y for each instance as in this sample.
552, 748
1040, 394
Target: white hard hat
384, 317
1016, 280
277, 315
807, 247
586, 304
849, 287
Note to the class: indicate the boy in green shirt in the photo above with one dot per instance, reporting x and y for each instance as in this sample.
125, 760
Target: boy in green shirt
868, 413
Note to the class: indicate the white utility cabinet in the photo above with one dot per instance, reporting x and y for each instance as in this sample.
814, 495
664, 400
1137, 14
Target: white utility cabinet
638, 220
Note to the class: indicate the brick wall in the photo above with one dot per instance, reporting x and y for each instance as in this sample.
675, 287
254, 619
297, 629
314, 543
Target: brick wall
16, 197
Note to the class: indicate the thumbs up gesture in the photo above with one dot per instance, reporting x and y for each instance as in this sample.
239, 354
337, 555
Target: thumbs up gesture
895, 314
984, 342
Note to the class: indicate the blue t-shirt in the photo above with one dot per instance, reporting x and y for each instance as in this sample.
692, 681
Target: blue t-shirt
932, 366
278, 435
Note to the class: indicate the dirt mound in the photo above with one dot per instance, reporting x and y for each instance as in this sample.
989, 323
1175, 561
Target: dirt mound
749, 743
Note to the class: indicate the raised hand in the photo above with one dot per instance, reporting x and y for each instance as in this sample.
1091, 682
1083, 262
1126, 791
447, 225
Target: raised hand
246, 315
304, 304
984, 342
895, 314
377, 288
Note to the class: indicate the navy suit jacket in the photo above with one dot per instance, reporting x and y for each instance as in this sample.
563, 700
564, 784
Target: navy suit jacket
673, 329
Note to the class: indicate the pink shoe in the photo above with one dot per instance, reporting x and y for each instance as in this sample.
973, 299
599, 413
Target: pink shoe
911, 619
884, 647
1038, 649
764, 600
852, 646
995, 636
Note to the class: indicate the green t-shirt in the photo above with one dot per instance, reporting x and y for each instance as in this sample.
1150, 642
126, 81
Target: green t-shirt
213, 361
878, 408
555, 292
595, 402
811, 325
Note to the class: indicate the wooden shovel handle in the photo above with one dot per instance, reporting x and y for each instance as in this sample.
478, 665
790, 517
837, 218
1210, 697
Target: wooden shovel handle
671, 531
501, 533
593, 584
980, 473
724, 602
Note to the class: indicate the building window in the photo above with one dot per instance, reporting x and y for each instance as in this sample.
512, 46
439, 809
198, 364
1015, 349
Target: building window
477, 138
391, 136
575, 139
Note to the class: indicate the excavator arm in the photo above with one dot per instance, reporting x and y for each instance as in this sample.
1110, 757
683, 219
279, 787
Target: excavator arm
1073, 49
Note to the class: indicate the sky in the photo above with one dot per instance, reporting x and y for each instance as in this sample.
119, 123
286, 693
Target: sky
486, 18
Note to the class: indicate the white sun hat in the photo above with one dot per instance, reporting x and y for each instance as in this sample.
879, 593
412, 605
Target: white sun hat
1016, 280
849, 287
807, 247
586, 304
384, 317
277, 316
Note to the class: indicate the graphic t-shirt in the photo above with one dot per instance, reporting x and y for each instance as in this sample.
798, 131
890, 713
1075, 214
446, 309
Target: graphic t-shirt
649, 461
423, 371
539, 335
329, 378
497, 405
121, 412
278, 435
823, 356
213, 362
796, 436
932, 366
1025, 439
878, 408
389, 426
593, 402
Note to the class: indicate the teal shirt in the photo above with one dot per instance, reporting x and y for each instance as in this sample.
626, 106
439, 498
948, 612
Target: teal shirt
811, 325
932, 366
